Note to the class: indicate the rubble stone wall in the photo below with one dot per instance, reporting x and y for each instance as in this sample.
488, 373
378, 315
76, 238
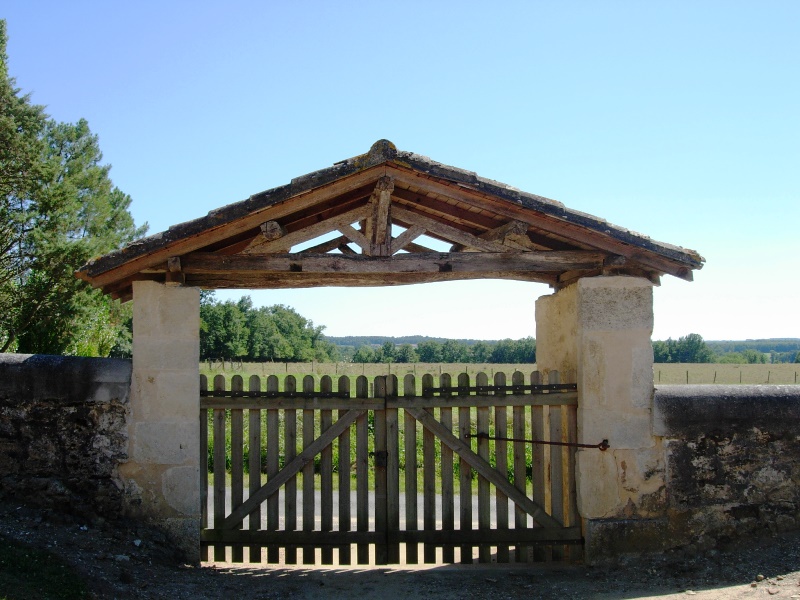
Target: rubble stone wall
732, 459
63, 431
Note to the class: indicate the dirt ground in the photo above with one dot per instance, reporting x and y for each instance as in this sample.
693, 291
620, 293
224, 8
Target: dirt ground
130, 563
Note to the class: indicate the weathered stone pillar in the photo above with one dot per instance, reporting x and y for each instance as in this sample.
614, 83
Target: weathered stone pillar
162, 477
597, 333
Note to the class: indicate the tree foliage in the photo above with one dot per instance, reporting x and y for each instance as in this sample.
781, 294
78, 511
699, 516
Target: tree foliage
687, 349
269, 333
58, 208
451, 351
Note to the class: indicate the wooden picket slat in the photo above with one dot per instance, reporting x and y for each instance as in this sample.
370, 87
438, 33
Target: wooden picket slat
381, 459
273, 463
484, 506
326, 473
309, 554
344, 478
521, 553
501, 462
237, 461
219, 468
362, 483
538, 464
290, 489
429, 483
203, 469
410, 456
254, 465
448, 509
392, 471
465, 485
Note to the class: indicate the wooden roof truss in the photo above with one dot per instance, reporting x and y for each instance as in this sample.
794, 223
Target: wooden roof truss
365, 222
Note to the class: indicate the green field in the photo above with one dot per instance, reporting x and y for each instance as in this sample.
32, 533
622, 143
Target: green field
663, 373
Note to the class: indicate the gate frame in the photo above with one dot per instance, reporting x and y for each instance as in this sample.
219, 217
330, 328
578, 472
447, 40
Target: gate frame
553, 529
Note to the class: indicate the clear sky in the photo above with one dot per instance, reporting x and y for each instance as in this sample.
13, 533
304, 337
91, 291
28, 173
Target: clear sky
680, 120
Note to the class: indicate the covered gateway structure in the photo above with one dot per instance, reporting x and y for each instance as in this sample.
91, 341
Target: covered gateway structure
369, 221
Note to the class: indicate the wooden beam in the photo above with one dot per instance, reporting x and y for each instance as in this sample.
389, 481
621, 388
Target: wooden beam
309, 233
270, 231
402, 240
356, 237
326, 246
446, 231
381, 201
174, 275
276, 281
498, 234
412, 247
442, 262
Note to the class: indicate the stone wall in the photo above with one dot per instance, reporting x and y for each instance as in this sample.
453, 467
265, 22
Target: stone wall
732, 459
63, 431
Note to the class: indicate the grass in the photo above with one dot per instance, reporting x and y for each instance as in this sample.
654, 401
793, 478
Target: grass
27, 573
709, 373
672, 373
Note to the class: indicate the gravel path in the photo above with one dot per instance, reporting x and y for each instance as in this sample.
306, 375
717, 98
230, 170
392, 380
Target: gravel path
137, 563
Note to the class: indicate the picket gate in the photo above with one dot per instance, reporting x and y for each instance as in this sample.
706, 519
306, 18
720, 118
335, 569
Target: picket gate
344, 477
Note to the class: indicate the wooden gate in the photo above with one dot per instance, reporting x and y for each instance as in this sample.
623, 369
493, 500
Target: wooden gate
462, 457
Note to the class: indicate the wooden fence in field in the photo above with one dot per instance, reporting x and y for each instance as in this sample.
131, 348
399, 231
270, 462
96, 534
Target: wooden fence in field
466, 471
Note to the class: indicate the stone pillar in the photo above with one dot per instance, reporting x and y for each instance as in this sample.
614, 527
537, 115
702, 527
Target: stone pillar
597, 333
162, 477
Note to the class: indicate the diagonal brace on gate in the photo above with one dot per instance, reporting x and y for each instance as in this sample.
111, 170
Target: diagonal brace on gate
484, 468
292, 468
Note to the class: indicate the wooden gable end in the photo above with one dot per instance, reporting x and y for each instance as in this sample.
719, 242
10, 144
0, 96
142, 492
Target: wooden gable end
364, 222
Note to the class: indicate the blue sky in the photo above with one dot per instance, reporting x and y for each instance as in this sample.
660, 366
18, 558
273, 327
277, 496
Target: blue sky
679, 120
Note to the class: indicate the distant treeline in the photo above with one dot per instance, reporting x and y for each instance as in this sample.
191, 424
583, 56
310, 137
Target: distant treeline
356, 341
693, 349
450, 351
238, 330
